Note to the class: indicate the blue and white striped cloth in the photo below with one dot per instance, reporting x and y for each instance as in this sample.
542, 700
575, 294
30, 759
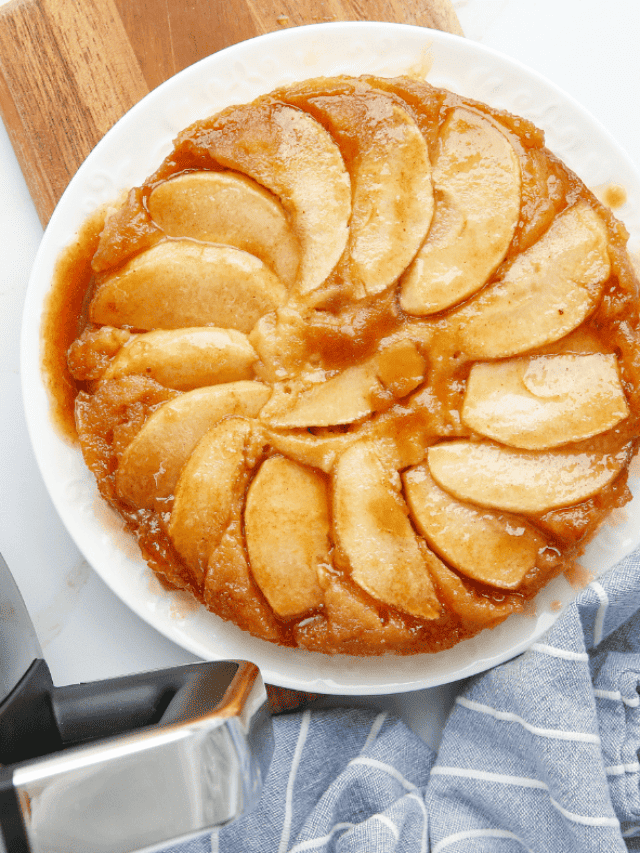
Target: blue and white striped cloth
539, 754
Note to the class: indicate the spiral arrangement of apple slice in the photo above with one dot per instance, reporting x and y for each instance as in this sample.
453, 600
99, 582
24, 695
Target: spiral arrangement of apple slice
373, 411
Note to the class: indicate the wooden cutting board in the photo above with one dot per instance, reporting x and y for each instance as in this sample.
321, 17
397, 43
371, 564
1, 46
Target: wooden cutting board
69, 69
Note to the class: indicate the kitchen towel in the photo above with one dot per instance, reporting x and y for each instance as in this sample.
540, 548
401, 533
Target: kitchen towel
539, 754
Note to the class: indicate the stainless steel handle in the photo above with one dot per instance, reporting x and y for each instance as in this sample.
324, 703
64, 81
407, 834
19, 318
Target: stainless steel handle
201, 767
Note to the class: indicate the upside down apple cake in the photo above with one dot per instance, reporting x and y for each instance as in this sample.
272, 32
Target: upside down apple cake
358, 365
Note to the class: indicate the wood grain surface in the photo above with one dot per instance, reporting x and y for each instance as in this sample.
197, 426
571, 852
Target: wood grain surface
193, 30
69, 69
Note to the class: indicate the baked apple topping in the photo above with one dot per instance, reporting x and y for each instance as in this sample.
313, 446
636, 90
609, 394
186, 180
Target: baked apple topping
359, 365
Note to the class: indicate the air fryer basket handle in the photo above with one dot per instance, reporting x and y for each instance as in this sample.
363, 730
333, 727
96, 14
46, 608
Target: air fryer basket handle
123, 727
85, 712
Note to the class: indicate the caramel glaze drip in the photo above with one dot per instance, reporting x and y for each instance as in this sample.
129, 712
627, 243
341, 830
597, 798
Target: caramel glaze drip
338, 334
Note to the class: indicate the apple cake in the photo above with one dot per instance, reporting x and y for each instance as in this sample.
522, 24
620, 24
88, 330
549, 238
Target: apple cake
358, 365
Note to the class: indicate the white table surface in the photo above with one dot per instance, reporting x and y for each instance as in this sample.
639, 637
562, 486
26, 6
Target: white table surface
588, 48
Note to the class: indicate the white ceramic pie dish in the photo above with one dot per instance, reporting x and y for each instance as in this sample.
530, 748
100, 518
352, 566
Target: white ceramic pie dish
131, 151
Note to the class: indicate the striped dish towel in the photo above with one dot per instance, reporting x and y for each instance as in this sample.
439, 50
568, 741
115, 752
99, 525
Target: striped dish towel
539, 754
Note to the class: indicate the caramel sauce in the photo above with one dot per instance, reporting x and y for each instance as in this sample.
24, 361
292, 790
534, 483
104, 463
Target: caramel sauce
578, 576
63, 319
612, 195
340, 333
348, 336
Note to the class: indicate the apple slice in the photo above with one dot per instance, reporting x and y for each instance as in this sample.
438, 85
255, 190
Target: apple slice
522, 480
484, 545
150, 466
373, 531
391, 178
408, 427
353, 616
206, 492
342, 399
178, 284
229, 587
545, 294
316, 451
290, 153
186, 358
545, 401
352, 394
471, 605
477, 182
400, 366
227, 208
287, 532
